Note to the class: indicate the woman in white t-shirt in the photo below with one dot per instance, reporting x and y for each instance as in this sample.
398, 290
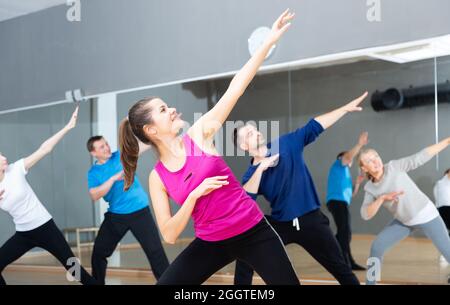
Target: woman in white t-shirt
34, 225
442, 197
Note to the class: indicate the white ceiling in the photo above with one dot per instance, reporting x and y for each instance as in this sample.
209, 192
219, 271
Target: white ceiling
13, 8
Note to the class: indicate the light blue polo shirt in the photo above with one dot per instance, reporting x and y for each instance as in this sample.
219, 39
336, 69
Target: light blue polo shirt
120, 202
340, 183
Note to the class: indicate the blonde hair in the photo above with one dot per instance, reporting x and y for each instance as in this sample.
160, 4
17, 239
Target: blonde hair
363, 152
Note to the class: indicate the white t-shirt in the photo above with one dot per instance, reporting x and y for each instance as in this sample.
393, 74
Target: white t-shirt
20, 201
427, 214
442, 192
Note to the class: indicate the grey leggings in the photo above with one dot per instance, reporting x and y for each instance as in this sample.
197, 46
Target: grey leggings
396, 231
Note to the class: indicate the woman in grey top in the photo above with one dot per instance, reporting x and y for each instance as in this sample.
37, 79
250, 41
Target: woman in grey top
390, 186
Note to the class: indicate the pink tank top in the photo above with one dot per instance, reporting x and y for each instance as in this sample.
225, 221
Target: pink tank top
223, 213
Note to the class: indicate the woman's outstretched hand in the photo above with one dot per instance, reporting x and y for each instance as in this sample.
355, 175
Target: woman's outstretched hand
354, 105
73, 120
280, 26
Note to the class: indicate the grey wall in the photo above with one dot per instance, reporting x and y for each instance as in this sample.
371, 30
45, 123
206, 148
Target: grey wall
59, 180
188, 99
125, 44
393, 133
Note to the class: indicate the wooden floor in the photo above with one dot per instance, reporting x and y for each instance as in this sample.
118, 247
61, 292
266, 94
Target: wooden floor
413, 261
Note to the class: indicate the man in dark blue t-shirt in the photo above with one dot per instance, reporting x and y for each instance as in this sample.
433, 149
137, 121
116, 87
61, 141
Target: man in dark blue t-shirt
279, 173
128, 211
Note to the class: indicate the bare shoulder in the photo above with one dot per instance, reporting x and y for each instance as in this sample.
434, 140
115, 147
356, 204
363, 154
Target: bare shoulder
205, 144
154, 179
196, 135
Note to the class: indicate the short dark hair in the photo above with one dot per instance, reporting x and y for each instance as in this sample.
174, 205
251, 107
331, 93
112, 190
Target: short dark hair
447, 171
340, 155
91, 141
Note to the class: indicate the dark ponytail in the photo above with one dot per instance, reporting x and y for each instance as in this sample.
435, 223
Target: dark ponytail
131, 130
129, 152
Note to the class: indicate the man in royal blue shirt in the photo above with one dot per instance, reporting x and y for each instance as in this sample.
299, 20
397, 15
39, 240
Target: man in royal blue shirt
128, 211
340, 192
279, 173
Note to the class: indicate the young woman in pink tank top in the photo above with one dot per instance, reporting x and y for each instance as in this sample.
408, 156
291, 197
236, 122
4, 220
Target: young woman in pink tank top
228, 224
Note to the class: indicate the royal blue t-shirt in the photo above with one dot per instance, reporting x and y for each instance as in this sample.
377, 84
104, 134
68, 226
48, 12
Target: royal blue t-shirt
339, 183
120, 202
289, 186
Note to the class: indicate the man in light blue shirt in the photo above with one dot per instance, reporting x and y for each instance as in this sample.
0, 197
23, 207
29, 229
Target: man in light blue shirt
339, 196
128, 211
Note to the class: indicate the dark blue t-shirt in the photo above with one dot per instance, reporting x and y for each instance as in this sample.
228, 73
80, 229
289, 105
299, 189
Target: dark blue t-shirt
288, 186
120, 202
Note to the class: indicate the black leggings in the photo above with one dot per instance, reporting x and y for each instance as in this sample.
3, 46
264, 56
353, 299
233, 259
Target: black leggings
112, 230
47, 237
341, 216
316, 237
445, 214
259, 247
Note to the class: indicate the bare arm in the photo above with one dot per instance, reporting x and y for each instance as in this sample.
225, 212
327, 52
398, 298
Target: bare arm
49, 144
359, 181
206, 127
172, 226
252, 184
348, 157
100, 191
328, 119
370, 210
